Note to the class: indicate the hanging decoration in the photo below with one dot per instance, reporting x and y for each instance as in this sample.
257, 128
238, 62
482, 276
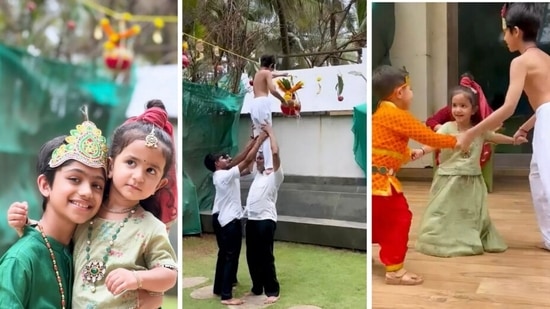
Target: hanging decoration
117, 56
198, 52
157, 35
340, 87
290, 95
185, 59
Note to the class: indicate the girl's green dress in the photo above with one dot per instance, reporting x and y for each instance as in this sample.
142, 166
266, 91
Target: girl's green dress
456, 221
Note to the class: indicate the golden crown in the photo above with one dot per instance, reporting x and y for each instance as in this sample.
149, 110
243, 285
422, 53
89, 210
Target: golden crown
85, 144
503, 16
407, 77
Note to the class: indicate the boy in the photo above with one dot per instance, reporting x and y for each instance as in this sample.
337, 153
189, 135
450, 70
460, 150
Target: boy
529, 72
392, 127
227, 213
260, 109
71, 180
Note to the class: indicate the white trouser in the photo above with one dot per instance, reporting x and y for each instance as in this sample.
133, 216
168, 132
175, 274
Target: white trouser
260, 113
539, 175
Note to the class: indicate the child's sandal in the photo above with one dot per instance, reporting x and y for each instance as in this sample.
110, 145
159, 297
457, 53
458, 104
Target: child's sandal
405, 279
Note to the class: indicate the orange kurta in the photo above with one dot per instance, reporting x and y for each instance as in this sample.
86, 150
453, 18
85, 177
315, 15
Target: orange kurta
392, 128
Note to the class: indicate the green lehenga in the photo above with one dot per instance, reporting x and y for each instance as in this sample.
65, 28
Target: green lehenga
456, 221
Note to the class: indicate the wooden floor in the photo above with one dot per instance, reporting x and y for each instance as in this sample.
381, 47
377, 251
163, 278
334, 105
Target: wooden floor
518, 278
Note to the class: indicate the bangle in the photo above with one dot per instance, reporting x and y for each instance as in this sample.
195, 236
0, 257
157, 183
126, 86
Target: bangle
138, 279
423, 151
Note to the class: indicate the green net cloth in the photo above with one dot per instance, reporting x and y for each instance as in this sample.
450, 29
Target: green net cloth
210, 124
41, 99
359, 130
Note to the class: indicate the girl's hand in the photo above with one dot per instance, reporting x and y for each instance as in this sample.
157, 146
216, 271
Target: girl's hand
17, 215
120, 280
417, 154
520, 133
520, 140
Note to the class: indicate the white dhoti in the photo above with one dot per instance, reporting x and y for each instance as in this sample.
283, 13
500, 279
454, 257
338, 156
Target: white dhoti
539, 175
260, 113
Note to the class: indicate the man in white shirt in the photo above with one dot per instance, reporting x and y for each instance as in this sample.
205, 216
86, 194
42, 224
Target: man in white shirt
262, 222
227, 213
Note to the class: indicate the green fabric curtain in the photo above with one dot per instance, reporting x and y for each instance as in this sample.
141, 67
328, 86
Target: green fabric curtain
210, 124
359, 130
41, 99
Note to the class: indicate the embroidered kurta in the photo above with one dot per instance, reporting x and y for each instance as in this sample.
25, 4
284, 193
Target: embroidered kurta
392, 128
27, 277
142, 244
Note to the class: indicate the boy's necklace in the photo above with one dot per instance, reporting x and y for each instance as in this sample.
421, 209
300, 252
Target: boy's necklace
55, 268
95, 270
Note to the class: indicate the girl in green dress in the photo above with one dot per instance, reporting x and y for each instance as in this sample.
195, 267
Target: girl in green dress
456, 221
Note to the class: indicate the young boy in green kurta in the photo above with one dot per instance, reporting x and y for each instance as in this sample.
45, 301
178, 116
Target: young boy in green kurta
37, 271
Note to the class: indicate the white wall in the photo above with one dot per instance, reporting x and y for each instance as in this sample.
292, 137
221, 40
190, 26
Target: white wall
420, 44
322, 95
320, 146
155, 82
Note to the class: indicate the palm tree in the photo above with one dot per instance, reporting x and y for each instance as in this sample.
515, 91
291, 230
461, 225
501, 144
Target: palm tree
314, 26
250, 27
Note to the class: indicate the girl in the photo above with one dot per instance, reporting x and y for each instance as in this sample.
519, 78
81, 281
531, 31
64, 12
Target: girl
125, 248
456, 221
167, 197
444, 115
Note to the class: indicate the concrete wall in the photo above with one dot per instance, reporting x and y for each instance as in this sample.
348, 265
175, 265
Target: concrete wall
319, 146
420, 45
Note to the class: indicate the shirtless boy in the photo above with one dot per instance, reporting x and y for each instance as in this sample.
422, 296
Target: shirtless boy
529, 72
260, 109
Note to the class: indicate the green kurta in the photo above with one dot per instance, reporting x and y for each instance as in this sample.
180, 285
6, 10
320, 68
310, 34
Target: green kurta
27, 277
141, 244
456, 221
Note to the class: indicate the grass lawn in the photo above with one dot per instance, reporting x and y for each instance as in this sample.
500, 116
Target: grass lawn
308, 275
170, 302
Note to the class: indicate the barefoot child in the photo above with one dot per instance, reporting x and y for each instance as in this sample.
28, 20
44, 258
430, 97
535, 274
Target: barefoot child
529, 72
392, 127
125, 248
456, 221
260, 108
37, 270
